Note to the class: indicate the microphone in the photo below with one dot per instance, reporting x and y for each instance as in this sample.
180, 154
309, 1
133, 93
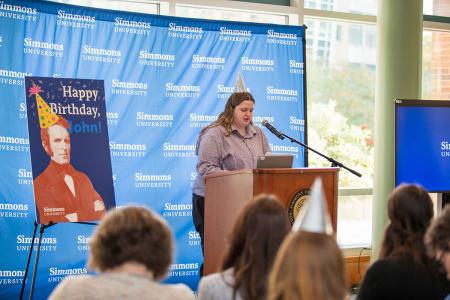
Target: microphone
272, 129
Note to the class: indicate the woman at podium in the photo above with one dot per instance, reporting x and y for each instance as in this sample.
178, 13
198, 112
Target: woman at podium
231, 142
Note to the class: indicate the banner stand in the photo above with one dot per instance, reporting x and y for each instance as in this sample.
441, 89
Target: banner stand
42, 227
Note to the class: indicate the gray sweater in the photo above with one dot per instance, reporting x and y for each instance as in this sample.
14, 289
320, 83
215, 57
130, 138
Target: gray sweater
118, 286
217, 286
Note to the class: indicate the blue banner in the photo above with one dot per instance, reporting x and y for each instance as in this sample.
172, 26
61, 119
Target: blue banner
165, 78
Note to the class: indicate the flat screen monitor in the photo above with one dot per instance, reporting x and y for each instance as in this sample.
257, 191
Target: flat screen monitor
422, 143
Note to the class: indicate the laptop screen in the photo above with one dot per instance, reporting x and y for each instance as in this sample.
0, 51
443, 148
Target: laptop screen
271, 161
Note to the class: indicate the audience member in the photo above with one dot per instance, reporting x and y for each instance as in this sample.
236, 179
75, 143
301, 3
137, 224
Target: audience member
132, 250
258, 232
437, 239
309, 265
404, 271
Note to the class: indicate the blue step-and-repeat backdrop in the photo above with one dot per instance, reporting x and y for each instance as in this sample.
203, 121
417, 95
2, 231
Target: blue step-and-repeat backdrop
165, 78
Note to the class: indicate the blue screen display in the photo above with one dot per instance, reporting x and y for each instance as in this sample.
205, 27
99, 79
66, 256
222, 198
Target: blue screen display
422, 144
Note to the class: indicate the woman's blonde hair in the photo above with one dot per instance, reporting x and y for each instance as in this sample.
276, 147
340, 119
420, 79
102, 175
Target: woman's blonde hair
225, 118
308, 265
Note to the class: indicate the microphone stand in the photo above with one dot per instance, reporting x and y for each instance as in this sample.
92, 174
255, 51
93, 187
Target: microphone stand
334, 163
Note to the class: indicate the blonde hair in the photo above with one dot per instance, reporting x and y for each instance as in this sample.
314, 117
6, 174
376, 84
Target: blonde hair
308, 265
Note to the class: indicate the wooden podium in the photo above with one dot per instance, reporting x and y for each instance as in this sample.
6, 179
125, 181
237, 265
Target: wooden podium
227, 192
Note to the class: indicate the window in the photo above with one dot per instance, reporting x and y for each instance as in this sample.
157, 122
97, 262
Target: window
213, 13
368, 7
436, 8
148, 7
341, 92
435, 65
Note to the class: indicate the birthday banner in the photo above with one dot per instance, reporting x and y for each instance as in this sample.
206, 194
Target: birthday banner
165, 78
67, 129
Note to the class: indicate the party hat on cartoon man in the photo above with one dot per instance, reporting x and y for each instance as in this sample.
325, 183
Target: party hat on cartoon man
45, 114
314, 216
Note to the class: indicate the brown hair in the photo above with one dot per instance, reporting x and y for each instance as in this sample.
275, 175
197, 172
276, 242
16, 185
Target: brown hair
309, 265
45, 137
257, 233
132, 234
410, 211
437, 236
225, 118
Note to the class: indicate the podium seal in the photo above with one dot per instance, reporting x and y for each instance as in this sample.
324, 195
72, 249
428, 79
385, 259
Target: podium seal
296, 203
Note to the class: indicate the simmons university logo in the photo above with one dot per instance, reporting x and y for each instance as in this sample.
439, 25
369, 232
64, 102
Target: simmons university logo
83, 242
185, 32
131, 27
153, 120
208, 62
152, 181
177, 210
178, 150
127, 150
13, 77
296, 124
56, 274
101, 55
257, 120
174, 91
47, 243
296, 67
281, 38
284, 149
223, 91
445, 149
14, 144
194, 238
159, 60
8, 277
13, 210
112, 118
128, 88
196, 120
41, 48
296, 203
74, 20
22, 110
17, 12
281, 95
257, 65
24, 177
234, 35
181, 270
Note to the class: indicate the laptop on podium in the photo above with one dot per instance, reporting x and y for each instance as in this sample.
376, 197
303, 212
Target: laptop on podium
271, 161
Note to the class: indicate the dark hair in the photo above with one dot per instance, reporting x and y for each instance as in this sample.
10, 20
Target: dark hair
132, 234
226, 117
257, 233
309, 265
45, 137
410, 210
437, 236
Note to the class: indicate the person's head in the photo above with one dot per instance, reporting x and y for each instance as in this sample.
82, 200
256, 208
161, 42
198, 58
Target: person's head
56, 141
309, 265
238, 112
254, 240
437, 239
131, 235
410, 210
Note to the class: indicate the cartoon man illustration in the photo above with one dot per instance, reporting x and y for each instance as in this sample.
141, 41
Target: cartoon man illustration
62, 193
